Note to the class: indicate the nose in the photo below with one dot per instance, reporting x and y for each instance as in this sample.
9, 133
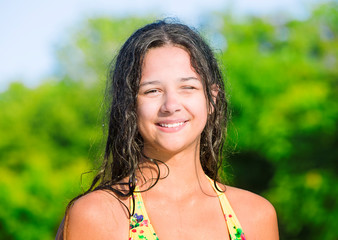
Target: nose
171, 103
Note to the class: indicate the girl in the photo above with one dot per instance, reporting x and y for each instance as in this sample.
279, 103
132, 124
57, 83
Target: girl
159, 178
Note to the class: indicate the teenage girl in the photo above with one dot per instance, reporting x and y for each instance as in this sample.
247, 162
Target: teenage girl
159, 178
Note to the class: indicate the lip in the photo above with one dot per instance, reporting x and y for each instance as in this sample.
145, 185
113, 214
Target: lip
170, 126
171, 121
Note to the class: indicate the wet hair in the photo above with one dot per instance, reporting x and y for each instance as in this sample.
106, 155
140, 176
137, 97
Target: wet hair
124, 144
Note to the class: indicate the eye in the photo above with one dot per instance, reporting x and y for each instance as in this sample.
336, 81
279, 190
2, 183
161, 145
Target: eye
188, 87
151, 91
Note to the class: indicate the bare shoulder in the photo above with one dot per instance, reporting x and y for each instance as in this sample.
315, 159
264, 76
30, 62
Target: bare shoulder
97, 215
256, 214
249, 201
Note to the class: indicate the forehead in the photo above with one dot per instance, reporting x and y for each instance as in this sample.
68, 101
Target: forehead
168, 60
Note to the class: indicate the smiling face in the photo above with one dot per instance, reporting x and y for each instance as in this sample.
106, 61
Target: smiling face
171, 103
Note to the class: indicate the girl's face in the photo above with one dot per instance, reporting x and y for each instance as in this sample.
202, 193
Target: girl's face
171, 104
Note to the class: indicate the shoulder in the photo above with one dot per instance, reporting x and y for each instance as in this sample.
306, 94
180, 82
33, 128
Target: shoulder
255, 213
97, 215
247, 200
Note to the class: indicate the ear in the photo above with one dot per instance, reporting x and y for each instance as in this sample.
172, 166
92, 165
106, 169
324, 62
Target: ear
214, 93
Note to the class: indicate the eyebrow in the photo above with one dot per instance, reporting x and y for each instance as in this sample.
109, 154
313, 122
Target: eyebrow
158, 82
149, 83
189, 78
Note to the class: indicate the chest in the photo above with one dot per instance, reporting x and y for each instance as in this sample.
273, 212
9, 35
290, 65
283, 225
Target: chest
197, 218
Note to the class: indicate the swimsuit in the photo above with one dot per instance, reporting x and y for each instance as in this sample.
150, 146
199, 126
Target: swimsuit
141, 228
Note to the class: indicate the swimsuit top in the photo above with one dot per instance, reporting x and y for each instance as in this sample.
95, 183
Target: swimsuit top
141, 228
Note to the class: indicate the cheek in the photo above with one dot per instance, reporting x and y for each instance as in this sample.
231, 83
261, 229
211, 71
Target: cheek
203, 105
204, 117
145, 117
205, 111
141, 116
200, 109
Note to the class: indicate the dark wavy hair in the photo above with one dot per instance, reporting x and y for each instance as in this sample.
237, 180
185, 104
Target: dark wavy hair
124, 145
124, 142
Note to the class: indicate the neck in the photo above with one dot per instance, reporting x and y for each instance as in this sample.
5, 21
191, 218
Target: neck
180, 174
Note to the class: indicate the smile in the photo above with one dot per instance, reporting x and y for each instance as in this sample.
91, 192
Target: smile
171, 125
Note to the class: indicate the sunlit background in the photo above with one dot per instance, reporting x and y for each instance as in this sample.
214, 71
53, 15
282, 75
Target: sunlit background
31, 30
280, 63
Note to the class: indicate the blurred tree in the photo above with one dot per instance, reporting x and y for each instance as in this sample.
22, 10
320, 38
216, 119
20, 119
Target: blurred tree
283, 94
45, 139
48, 134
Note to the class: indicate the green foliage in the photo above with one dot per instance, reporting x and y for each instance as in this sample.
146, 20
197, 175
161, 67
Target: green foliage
45, 140
282, 87
283, 84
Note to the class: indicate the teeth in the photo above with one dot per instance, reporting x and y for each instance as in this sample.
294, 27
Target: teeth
171, 125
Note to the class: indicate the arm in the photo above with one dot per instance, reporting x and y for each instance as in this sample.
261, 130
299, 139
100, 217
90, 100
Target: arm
268, 228
97, 215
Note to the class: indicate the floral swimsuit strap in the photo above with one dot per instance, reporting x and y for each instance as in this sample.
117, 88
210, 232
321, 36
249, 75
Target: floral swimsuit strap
234, 227
140, 226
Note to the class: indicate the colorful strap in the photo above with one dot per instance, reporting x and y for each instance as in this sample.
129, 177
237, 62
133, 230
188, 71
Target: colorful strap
234, 227
141, 228
139, 224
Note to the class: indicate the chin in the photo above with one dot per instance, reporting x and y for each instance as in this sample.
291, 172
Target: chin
169, 149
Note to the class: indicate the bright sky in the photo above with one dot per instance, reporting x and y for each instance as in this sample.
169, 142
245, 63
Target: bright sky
30, 29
